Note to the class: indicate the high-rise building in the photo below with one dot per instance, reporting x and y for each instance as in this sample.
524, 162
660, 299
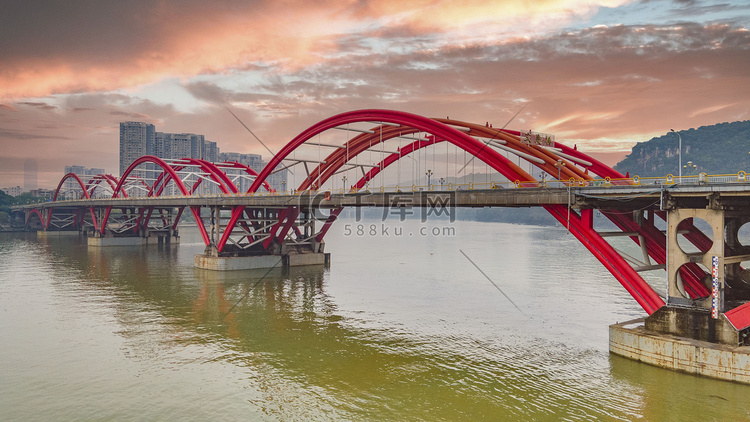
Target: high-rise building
136, 140
29, 175
211, 151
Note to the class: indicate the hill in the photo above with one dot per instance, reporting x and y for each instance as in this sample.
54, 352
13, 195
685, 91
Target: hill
718, 149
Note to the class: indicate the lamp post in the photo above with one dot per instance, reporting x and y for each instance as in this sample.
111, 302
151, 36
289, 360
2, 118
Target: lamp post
429, 174
559, 164
343, 183
679, 151
442, 180
690, 166
283, 186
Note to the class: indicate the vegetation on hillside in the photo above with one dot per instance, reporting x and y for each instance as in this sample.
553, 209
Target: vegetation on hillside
722, 148
7, 201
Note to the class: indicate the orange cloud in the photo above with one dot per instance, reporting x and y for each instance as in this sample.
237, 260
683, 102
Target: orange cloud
111, 47
430, 15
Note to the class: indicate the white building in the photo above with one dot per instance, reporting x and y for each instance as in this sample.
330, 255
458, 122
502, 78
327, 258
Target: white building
12, 191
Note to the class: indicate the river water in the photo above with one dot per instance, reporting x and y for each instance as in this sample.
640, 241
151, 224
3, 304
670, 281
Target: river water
400, 327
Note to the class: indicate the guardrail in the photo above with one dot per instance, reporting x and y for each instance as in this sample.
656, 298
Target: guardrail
668, 180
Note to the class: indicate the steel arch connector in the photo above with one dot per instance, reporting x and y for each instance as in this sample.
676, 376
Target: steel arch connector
247, 169
93, 184
84, 195
409, 120
168, 173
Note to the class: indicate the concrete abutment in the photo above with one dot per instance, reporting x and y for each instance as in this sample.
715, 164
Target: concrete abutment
721, 361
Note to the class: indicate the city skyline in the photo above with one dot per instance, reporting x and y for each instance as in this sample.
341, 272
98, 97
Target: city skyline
601, 74
139, 138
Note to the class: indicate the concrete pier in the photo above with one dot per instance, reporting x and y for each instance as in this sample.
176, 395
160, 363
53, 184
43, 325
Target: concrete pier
100, 242
221, 263
57, 233
632, 340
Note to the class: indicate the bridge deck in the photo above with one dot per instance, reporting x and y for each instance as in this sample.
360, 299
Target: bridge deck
614, 197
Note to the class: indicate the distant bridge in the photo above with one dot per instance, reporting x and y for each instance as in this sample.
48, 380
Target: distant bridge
241, 216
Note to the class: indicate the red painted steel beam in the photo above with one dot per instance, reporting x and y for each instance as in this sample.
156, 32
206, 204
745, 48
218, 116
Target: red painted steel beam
84, 195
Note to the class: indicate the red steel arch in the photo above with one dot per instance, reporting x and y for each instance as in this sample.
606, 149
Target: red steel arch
581, 225
477, 140
432, 126
34, 212
84, 195
423, 124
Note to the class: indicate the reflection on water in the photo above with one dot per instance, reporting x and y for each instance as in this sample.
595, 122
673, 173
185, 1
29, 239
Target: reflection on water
396, 329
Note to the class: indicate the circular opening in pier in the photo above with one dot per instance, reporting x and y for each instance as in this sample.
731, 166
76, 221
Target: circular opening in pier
742, 272
694, 235
693, 280
743, 236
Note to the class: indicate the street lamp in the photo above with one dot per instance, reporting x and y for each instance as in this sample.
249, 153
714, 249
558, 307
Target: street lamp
690, 166
343, 182
442, 180
283, 186
559, 164
679, 151
429, 174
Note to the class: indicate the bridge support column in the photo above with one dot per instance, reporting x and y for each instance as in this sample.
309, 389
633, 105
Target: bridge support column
705, 326
135, 227
262, 237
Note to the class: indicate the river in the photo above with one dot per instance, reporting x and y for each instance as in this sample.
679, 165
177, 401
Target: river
402, 326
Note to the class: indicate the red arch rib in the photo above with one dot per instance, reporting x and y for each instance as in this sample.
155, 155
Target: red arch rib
170, 174
84, 195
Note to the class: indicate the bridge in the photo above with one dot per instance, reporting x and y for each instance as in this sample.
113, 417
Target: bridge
244, 223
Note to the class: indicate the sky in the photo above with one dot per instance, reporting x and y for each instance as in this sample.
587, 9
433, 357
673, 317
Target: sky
600, 74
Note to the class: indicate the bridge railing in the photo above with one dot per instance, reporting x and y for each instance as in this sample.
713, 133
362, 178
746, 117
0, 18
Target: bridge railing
669, 180
693, 179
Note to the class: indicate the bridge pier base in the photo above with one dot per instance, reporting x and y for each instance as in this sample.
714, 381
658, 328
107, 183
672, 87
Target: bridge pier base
232, 263
100, 242
633, 340
704, 328
57, 233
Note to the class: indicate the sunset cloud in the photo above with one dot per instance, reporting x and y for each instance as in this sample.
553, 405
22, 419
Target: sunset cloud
100, 46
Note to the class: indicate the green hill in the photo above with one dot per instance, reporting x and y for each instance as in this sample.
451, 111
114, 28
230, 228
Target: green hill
722, 148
